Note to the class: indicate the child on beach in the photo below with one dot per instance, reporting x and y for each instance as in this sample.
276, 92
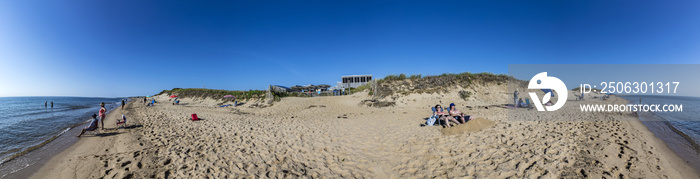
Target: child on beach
91, 127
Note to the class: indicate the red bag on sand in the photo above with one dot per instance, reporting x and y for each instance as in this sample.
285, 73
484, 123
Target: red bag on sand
194, 117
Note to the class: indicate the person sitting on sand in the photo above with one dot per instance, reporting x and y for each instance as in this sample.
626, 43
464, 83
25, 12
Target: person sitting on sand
91, 127
457, 114
521, 103
441, 115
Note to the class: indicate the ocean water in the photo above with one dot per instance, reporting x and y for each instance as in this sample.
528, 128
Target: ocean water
25, 123
687, 121
679, 130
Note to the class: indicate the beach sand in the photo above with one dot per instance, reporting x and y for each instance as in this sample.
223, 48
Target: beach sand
331, 137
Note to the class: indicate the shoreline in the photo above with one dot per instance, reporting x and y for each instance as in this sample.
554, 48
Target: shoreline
356, 141
679, 142
25, 163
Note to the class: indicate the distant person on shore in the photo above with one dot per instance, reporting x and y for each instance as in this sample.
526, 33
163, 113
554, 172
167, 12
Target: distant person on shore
123, 104
103, 113
91, 127
515, 98
457, 114
145, 100
51, 104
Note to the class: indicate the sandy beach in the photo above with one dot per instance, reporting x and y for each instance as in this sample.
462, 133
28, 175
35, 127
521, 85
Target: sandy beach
344, 89
336, 136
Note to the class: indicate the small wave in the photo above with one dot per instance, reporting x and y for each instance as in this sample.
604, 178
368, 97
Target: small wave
23, 151
64, 131
34, 147
685, 136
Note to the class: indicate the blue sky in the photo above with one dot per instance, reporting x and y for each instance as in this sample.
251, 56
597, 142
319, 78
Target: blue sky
575, 75
128, 48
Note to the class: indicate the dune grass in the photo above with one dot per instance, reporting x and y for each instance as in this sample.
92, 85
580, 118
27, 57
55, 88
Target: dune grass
214, 93
401, 84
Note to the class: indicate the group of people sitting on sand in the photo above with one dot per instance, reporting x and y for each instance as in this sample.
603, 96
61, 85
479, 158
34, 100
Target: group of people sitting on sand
96, 121
452, 114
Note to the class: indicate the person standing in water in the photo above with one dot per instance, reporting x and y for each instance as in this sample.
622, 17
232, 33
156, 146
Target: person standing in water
51, 104
103, 112
123, 104
46, 104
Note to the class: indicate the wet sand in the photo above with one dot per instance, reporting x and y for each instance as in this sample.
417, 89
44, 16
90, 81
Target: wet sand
679, 144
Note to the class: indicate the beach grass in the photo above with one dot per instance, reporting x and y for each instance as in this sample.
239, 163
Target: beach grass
214, 93
417, 83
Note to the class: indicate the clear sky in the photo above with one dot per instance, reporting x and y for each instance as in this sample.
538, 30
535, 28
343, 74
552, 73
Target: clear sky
574, 75
135, 47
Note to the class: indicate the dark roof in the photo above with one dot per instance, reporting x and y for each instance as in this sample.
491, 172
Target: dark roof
282, 86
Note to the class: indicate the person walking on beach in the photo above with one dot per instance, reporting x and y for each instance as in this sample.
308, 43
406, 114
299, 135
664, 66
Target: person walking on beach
144, 100
515, 98
122, 104
103, 112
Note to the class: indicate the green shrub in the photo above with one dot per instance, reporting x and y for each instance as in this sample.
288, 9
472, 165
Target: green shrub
464, 94
359, 89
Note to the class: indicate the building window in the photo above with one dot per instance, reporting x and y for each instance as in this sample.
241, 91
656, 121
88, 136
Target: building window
357, 79
345, 80
369, 78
